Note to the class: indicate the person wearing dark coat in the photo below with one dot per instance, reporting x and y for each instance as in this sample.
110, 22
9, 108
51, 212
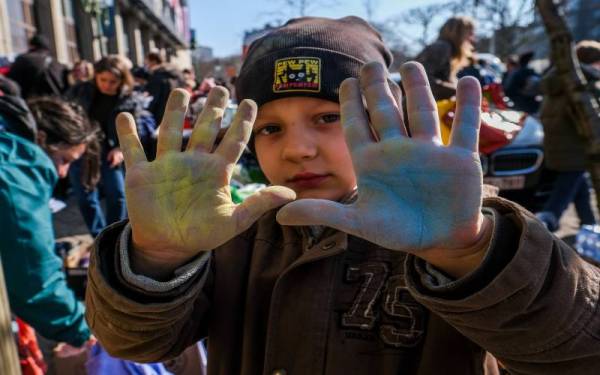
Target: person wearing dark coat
103, 98
37, 72
523, 86
163, 79
9, 87
564, 147
447, 55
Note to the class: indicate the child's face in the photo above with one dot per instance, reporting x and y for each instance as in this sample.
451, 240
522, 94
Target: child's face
300, 144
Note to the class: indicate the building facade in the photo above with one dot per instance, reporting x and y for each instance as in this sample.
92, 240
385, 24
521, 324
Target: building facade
89, 29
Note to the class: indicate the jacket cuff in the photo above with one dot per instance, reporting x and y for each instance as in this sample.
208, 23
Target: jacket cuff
181, 275
500, 251
106, 271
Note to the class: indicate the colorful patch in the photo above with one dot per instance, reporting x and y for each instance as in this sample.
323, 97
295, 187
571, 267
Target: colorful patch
297, 74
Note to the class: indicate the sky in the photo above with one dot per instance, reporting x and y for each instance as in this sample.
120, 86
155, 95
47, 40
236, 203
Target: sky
220, 24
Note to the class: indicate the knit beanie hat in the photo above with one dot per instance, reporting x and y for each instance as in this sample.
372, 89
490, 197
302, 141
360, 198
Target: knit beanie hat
309, 56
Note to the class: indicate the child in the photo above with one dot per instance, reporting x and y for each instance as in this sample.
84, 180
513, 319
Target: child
416, 278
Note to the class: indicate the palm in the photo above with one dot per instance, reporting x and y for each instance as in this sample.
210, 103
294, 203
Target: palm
181, 198
408, 199
180, 203
414, 193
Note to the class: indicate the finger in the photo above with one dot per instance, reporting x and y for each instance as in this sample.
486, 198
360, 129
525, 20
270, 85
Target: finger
259, 203
209, 121
171, 128
386, 117
354, 117
318, 212
238, 134
467, 120
422, 110
396, 94
130, 144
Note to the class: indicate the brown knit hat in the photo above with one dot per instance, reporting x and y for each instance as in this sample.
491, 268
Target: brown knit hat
309, 56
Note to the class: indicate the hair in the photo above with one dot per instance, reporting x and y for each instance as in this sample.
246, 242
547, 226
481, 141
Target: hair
117, 66
588, 51
155, 57
456, 30
39, 41
525, 58
140, 72
66, 123
124, 59
88, 67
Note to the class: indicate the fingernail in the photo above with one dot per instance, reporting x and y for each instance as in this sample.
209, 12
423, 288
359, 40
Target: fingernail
373, 72
123, 119
218, 97
178, 100
247, 108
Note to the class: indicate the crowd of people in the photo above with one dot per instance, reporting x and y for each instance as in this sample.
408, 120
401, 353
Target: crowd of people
453, 56
181, 256
59, 138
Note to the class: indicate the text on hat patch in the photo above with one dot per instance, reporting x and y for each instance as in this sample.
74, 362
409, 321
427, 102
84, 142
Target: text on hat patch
297, 74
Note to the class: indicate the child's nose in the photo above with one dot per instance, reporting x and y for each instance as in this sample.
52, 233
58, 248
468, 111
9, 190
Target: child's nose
299, 147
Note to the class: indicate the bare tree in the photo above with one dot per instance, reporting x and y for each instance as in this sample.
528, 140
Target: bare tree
300, 8
503, 21
423, 17
499, 14
370, 6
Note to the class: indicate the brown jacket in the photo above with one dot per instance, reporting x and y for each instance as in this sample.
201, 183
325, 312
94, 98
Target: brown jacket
273, 299
564, 145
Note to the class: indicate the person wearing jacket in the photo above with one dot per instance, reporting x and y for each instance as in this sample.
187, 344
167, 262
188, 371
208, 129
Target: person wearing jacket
37, 145
163, 78
447, 55
564, 146
523, 86
37, 72
386, 257
108, 94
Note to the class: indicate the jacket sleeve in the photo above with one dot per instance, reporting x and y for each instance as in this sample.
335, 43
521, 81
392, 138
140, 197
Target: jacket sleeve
533, 302
37, 288
137, 318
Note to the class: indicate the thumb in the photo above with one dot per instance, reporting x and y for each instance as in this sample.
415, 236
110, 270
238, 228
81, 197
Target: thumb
256, 205
317, 212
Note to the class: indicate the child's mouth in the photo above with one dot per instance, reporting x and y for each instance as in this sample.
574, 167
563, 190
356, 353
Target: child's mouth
308, 180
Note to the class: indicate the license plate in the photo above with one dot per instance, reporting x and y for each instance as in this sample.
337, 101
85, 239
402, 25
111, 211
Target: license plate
506, 183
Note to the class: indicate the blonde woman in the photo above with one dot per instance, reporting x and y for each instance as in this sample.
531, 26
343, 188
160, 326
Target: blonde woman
445, 57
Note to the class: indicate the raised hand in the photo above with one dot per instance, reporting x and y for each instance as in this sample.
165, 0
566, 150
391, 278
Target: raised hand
414, 193
180, 204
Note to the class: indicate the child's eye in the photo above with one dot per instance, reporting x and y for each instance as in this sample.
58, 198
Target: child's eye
328, 118
267, 129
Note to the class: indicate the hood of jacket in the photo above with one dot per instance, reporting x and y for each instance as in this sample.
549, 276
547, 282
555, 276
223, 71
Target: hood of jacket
16, 117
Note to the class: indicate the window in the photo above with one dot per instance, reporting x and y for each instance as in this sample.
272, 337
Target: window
70, 30
22, 24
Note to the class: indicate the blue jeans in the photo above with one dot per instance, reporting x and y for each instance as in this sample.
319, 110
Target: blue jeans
571, 187
112, 184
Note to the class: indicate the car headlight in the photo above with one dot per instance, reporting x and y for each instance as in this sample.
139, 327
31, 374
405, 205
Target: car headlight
532, 133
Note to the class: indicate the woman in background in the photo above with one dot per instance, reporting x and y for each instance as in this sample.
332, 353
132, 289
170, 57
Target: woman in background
446, 56
108, 94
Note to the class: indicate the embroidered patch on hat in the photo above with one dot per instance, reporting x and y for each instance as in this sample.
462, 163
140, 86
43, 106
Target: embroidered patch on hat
297, 74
